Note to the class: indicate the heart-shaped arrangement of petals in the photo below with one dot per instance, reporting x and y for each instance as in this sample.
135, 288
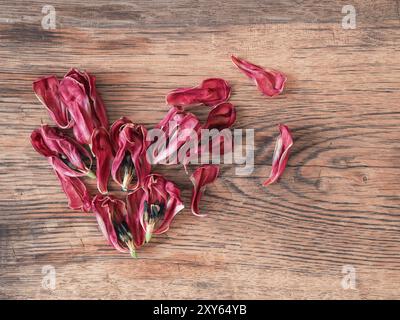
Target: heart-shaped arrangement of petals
83, 145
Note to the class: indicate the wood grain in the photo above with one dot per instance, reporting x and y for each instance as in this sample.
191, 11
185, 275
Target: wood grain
337, 203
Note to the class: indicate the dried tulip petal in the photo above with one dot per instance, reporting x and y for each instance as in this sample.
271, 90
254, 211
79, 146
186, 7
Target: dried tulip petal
281, 154
112, 217
77, 194
47, 91
210, 92
202, 176
222, 116
270, 82
104, 153
65, 155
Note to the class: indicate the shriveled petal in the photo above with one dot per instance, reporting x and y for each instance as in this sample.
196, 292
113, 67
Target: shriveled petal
210, 92
115, 130
65, 155
110, 214
135, 202
281, 154
75, 98
161, 201
47, 91
222, 116
98, 110
179, 127
102, 149
77, 194
130, 160
270, 82
202, 176
174, 205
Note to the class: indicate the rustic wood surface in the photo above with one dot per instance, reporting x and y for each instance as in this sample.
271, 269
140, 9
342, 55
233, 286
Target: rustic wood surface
336, 205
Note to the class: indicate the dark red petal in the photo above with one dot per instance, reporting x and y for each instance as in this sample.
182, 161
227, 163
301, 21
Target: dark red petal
39, 144
76, 100
210, 92
47, 91
222, 116
75, 189
179, 127
270, 82
104, 153
132, 141
116, 129
281, 154
110, 212
135, 202
174, 205
59, 148
203, 176
98, 110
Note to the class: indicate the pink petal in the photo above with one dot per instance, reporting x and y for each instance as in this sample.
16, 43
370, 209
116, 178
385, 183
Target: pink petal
179, 127
74, 97
65, 155
281, 154
131, 154
156, 192
221, 116
77, 194
210, 92
135, 202
47, 91
203, 176
110, 212
116, 128
270, 82
98, 109
102, 149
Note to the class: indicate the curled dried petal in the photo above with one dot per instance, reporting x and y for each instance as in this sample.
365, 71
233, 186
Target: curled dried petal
115, 130
222, 116
78, 93
77, 194
104, 153
281, 154
178, 127
47, 91
210, 92
112, 217
65, 155
270, 82
130, 160
202, 176
157, 201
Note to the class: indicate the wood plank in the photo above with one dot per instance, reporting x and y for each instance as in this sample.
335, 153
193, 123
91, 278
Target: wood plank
337, 203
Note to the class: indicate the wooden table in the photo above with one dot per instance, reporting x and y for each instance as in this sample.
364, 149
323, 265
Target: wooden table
336, 209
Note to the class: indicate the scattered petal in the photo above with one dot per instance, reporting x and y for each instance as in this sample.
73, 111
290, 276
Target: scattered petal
202, 176
47, 91
113, 220
66, 155
270, 82
77, 194
210, 92
104, 153
281, 154
157, 201
222, 116
130, 159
